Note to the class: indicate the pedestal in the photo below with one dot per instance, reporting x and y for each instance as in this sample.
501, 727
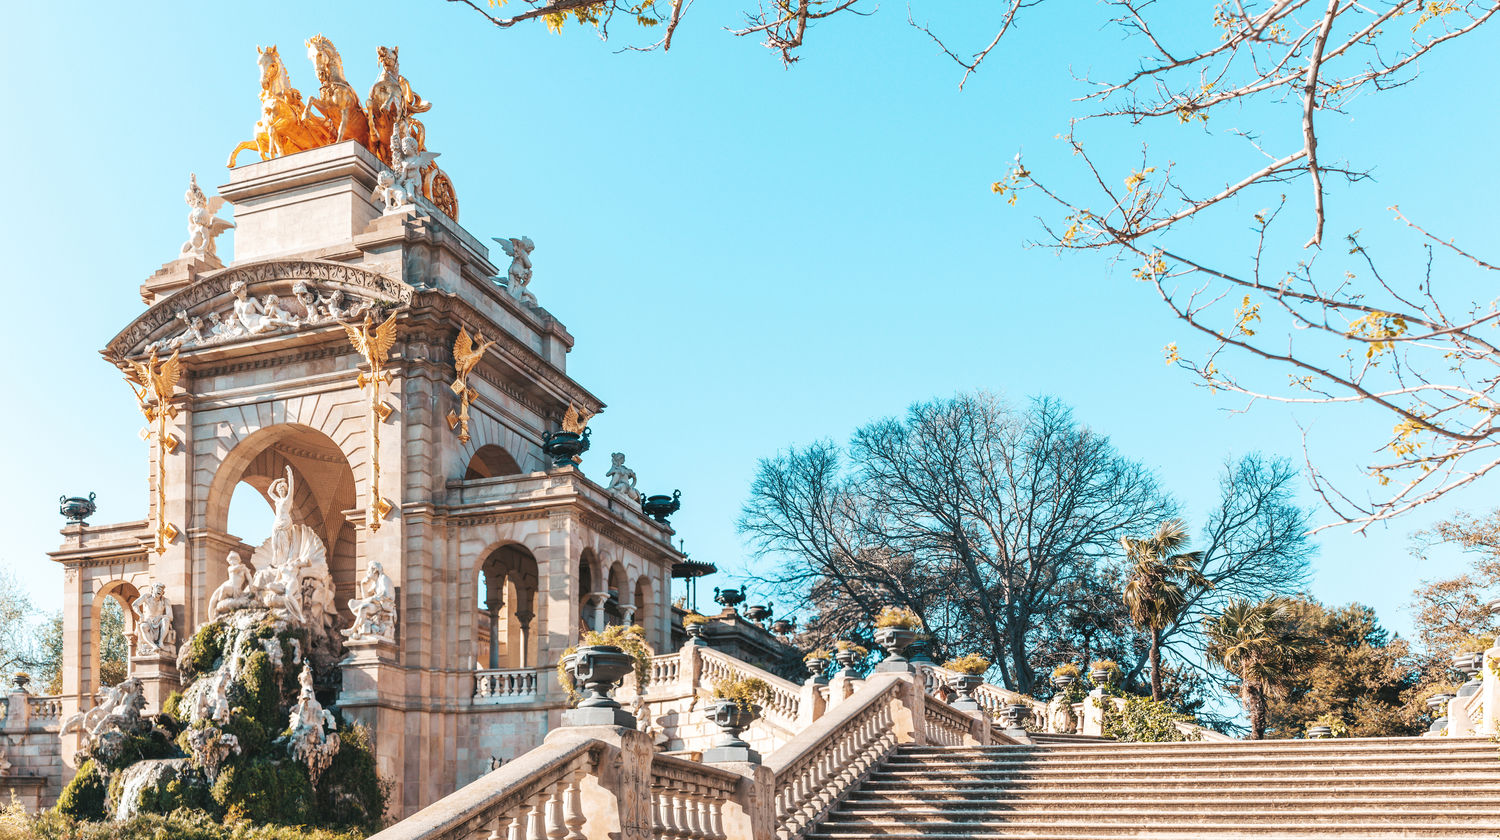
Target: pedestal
159, 677
369, 663
177, 274
730, 755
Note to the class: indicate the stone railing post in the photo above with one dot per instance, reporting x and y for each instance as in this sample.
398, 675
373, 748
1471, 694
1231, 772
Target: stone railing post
911, 718
1093, 713
690, 667
751, 814
814, 703
615, 800
17, 711
840, 687
1489, 722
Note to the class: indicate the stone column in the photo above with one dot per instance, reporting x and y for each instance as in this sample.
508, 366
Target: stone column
493, 603
598, 600
523, 620
158, 675
627, 613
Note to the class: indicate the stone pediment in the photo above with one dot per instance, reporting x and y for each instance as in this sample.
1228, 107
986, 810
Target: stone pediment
280, 296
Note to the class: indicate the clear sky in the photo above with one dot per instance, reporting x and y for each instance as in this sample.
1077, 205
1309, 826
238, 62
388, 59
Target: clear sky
749, 256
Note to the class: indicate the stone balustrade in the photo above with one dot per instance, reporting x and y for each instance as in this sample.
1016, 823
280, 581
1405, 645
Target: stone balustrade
44, 708
689, 799
30, 751
947, 726
508, 685
786, 696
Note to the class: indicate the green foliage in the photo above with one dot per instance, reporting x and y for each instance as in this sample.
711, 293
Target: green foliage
1335, 723
970, 663
898, 617
692, 618
1067, 669
83, 797
631, 639
820, 653
1260, 643
744, 691
350, 792
844, 644
266, 790
173, 705
204, 649
185, 824
1145, 720
1115, 674
114, 652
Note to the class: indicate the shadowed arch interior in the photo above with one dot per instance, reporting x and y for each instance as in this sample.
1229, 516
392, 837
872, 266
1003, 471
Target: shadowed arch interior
491, 461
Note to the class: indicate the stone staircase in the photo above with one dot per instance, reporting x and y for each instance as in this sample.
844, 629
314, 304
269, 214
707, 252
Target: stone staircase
1074, 789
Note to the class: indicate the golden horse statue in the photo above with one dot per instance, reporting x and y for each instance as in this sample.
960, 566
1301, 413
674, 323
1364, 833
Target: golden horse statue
341, 117
391, 103
281, 129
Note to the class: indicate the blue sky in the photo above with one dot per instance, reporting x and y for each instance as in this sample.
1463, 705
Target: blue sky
749, 256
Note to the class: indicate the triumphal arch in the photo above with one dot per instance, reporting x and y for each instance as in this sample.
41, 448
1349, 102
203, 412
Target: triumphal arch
363, 364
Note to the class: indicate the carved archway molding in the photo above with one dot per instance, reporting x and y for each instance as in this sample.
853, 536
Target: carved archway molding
160, 322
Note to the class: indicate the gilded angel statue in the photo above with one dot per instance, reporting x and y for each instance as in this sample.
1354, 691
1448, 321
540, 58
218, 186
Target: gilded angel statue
203, 225
465, 356
519, 276
374, 344
153, 382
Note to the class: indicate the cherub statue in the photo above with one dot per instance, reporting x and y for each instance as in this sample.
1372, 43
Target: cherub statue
338, 311
313, 307
386, 192
518, 277
408, 160
276, 314
375, 608
235, 593
203, 225
248, 312
622, 478
153, 622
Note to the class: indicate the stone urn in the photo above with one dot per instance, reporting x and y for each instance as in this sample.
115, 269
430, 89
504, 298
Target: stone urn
920, 651
1102, 677
564, 448
783, 627
21, 680
732, 717
1012, 714
758, 613
817, 669
895, 640
1062, 681
1320, 732
659, 507
76, 509
965, 684
598, 670
1438, 703
847, 657
1471, 664
695, 633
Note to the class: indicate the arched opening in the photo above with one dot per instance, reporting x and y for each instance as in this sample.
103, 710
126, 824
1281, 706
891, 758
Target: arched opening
112, 632
507, 607
323, 488
645, 606
613, 607
587, 590
491, 461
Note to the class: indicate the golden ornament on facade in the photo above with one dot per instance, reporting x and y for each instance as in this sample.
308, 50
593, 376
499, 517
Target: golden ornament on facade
288, 124
575, 420
374, 346
465, 356
153, 383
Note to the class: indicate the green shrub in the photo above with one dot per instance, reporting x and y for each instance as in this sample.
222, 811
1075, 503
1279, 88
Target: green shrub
1145, 720
204, 650
898, 617
83, 797
185, 824
970, 663
351, 793
1067, 669
173, 705
265, 790
744, 691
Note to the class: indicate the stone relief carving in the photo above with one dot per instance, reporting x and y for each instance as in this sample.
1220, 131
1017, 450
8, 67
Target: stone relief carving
518, 277
116, 715
204, 226
154, 633
311, 737
375, 608
622, 478
252, 315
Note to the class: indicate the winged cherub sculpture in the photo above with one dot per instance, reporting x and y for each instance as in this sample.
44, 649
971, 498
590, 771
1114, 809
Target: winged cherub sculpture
203, 225
519, 276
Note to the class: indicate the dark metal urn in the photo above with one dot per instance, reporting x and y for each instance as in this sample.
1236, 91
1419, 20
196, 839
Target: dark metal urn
732, 717
758, 613
730, 598
659, 507
564, 448
598, 670
76, 509
920, 651
895, 640
965, 684
782, 626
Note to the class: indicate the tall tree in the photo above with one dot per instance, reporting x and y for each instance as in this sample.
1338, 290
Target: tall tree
1161, 579
979, 516
1257, 643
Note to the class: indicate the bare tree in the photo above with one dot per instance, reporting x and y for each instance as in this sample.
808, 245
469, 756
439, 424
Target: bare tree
978, 516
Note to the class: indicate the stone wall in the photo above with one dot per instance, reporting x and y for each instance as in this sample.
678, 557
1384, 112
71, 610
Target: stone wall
31, 767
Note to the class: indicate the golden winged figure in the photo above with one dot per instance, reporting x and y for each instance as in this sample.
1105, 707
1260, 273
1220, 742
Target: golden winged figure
575, 420
153, 382
466, 355
373, 344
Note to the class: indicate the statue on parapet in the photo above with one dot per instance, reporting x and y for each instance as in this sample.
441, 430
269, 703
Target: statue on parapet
341, 117
203, 225
518, 276
375, 608
281, 129
154, 633
622, 478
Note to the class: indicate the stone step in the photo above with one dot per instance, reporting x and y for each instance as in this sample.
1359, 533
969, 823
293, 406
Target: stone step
1297, 747
1144, 787
1167, 771
1450, 801
1146, 815
1053, 831
940, 763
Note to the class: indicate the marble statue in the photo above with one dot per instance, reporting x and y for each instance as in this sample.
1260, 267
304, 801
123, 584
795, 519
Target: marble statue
154, 633
116, 715
248, 312
313, 307
375, 608
518, 277
408, 161
203, 225
210, 746
311, 735
391, 198
622, 478
235, 593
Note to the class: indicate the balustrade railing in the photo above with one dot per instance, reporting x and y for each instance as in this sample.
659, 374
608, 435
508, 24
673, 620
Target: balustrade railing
786, 696
688, 799
992, 698
44, 708
506, 685
946, 726
666, 669
814, 771
537, 796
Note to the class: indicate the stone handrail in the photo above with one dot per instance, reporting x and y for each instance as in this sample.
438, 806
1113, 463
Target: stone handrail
786, 696
507, 685
993, 698
945, 725
534, 796
666, 669
814, 771
44, 708
688, 799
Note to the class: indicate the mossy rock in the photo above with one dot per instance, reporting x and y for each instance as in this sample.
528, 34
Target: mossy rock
203, 650
183, 824
351, 793
266, 790
83, 797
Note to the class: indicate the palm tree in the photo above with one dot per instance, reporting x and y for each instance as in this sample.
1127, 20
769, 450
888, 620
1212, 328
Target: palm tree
1257, 643
1160, 584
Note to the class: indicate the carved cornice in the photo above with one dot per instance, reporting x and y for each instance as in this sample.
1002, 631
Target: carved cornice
499, 518
341, 348
613, 532
156, 321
